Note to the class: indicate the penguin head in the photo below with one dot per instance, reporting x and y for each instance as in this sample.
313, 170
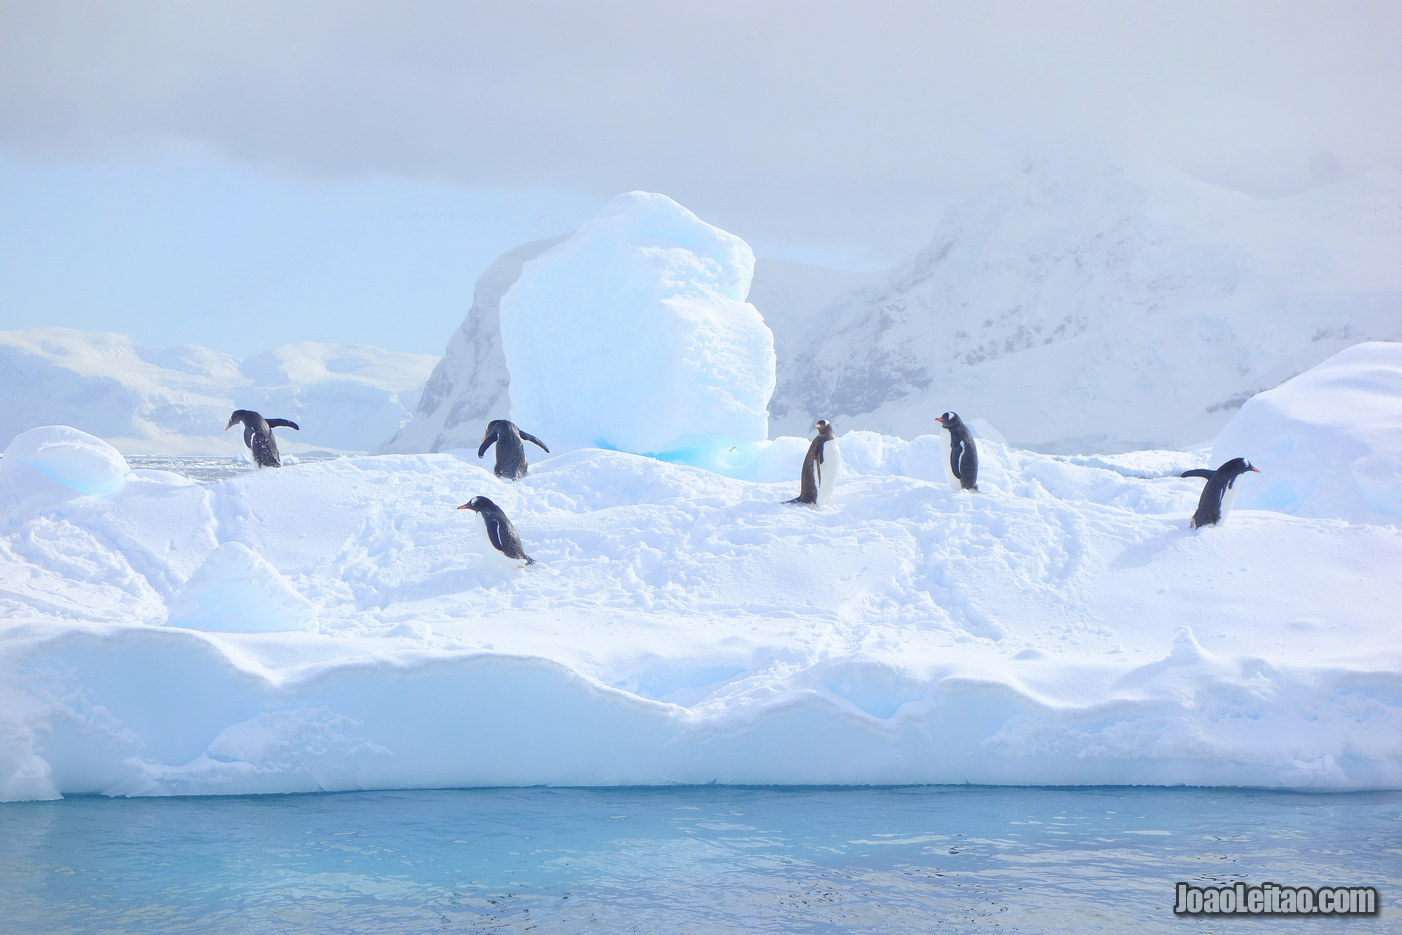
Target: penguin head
948, 419
477, 504
493, 427
823, 426
1238, 466
238, 416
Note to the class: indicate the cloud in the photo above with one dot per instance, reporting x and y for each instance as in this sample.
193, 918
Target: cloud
831, 121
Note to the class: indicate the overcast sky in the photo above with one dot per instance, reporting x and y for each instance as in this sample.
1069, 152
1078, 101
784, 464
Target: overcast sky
246, 173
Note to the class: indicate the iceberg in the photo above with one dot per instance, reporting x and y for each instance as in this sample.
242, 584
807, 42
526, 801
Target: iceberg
634, 334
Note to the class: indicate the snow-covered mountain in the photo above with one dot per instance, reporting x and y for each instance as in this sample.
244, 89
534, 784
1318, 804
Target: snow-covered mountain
1092, 308
1071, 308
143, 401
469, 385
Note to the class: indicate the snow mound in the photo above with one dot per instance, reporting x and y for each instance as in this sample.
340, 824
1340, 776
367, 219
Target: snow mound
237, 591
634, 334
1329, 441
68, 457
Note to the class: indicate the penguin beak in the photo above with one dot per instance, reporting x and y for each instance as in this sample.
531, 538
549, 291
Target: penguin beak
229, 426
1254, 470
463, 507
939, 419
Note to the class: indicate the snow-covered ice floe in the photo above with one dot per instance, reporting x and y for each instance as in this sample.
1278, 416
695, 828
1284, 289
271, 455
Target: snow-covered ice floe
338, 625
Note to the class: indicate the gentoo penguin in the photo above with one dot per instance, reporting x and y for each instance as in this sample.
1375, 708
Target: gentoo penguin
511, 454
500, 532
820, 467
258, 436
960, 455
1219, 493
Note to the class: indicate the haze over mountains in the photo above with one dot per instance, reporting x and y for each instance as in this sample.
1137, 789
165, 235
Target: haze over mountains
1071, 308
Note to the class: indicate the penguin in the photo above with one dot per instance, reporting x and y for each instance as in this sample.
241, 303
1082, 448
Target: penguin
258, 436
1217, 496
511, 454
960, 455
820, 467
500, 532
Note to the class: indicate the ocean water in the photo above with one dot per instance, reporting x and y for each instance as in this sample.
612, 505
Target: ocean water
687, 859
208, 470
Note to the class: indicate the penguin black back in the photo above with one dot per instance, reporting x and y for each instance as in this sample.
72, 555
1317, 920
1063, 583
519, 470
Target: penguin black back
511, 453
810, 478
258, 436
500, 532
1217, 496
963, 456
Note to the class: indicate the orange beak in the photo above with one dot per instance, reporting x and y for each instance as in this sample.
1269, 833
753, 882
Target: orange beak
463, 507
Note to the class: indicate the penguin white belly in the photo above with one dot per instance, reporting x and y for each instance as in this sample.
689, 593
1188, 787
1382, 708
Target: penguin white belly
1228, 497
946, 453
827, 473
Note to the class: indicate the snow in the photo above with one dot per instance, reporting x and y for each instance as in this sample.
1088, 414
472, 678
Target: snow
340, 625
634, 334
66, 456
469, 386
347, 398
1084, 307
1329, 442
237, 591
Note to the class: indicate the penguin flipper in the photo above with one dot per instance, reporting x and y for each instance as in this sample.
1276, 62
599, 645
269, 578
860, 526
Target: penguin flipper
494, 532
283, 423
531, 438
1205, 473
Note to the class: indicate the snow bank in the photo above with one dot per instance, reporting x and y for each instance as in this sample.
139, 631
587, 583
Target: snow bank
1328, 442
67, 457
683, 626
236, 591
634, 335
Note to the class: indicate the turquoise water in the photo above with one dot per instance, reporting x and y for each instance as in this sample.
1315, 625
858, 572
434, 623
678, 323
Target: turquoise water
687, 859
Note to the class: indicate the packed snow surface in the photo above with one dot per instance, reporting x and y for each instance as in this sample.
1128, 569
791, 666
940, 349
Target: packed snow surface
683, 625
634, 334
